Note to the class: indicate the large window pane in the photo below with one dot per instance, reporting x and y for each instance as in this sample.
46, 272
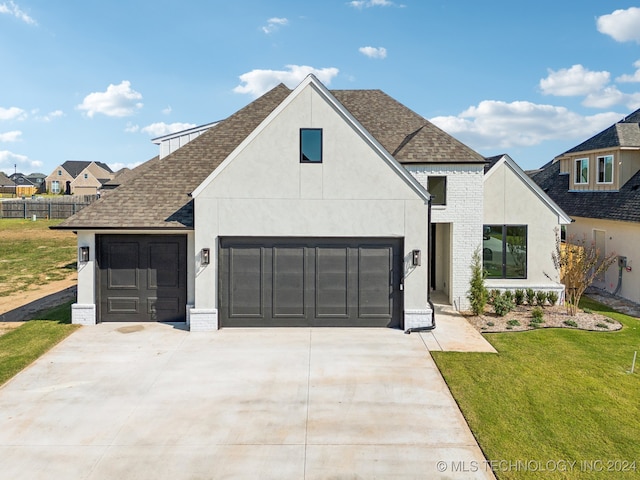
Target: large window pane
492, 246
516, 252
504, 251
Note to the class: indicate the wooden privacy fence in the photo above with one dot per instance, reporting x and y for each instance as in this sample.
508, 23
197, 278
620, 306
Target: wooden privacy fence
62, 207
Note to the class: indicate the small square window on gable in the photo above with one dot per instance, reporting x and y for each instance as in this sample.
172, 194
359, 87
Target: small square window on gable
310, 145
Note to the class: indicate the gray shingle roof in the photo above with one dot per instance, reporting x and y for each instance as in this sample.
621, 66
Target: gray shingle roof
409, 137
623, 205
156, 195
625, 133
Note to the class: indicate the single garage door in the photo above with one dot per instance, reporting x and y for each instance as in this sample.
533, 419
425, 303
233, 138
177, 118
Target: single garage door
281, 282
142, 278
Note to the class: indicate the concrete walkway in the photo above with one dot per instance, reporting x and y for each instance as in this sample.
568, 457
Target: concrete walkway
453, 333
150, 401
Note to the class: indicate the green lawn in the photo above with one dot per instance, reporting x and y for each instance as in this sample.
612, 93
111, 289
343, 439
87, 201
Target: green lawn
31, 254
554, 395
20, 347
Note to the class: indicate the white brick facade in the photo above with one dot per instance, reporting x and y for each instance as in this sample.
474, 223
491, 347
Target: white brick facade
83, 314
464, 212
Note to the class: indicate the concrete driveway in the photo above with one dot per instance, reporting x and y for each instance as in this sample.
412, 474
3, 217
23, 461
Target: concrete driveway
133, 401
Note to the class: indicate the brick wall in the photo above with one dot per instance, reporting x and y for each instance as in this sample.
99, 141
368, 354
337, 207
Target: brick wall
464, 211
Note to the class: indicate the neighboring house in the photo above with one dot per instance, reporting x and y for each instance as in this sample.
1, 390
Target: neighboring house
24, 187
82, 177
305, 208
598, 184
38, 180
7, 185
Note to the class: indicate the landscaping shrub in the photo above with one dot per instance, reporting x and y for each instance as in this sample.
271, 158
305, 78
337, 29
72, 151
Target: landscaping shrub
477, 291
508, 294
493, 294
537, 314
502, 305
531, 296
602, 325
570, 323
552, 297
541, 298
519, 297
513, 323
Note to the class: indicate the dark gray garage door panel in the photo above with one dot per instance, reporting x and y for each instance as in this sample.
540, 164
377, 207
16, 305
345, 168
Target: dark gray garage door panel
142, 278
309, 282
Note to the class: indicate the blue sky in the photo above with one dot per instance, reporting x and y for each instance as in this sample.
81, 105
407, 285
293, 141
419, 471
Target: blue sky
96, 80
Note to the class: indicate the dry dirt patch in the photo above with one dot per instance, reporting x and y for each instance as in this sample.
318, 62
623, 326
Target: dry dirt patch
553, 316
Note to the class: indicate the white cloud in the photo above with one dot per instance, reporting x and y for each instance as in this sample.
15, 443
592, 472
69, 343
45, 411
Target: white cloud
12, 136
621, 25
12, 113
573, 81
167, 111
11, 8
120, 165
373, 52
500, 125
117, 101
49, 116
256, 82
160, 128
610, 96
9, 159
626, 78
273, 24
132, 128
372, 3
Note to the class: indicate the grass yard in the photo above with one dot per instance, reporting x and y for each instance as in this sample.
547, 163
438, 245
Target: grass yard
31, 254
20, 347
552, 396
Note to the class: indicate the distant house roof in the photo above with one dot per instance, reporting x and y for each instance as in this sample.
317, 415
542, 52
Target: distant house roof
148, 200
21, 180
625, 133
623, 205
6, 181
74, 167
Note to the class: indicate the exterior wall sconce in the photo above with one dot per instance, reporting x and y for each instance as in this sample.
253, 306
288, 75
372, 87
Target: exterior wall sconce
205, 256
416, 258
83, 254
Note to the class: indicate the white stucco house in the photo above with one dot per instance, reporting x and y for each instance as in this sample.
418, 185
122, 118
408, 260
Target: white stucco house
310, 207
597, 182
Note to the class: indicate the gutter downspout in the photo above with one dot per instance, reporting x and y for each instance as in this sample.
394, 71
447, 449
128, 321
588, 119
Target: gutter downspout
429, 253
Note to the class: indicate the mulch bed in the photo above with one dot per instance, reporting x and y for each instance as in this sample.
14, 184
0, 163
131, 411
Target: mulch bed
520, 319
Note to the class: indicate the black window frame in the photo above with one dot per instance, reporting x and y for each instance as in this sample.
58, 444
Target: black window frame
303, 158
433, 197
504, 251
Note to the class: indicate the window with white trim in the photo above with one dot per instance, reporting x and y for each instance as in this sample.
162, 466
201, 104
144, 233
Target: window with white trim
605, 169
582, 171
55, 186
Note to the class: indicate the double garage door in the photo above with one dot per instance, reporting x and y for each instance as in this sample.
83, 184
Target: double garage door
262, 282
309, 282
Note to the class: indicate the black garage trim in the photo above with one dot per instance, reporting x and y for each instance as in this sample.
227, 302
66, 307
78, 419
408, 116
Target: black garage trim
141, 278
290, 282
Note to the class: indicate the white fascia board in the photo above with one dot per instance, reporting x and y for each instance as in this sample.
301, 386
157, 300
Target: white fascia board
324, 92
188, 131
563, 218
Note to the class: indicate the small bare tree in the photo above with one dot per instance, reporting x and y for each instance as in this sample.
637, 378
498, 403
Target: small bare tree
579, 262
